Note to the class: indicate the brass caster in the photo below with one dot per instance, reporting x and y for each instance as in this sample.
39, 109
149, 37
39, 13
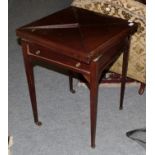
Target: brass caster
93, 146
72, 91
120, 108
38, 123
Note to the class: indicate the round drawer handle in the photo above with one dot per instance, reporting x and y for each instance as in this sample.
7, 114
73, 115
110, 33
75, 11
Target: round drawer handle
78, 64
37, 52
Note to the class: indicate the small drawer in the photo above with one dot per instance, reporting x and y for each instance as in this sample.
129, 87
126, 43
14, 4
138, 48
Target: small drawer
39, 51
45, 54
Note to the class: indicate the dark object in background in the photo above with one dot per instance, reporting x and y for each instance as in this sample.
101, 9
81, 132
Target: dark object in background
138, 135
141, 1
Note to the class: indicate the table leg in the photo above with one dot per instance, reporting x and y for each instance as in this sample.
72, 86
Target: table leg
93, 104
71, 82
124, 73
142, 88
31, 84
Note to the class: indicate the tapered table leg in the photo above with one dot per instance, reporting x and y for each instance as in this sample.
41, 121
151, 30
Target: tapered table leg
93, 103
142, 88
31, 84
71, 83
124, 73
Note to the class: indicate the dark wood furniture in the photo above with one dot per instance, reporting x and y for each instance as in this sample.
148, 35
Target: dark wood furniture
78, 40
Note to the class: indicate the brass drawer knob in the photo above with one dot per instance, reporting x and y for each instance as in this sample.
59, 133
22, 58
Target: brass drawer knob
78, 64
37, 52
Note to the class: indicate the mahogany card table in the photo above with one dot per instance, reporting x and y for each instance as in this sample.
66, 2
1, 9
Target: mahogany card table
80, 41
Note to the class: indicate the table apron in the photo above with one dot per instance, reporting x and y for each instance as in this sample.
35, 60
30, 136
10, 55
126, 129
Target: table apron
111, 55
61, 64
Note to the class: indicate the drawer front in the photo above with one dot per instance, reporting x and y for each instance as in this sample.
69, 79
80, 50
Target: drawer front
45, 54
40, 51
